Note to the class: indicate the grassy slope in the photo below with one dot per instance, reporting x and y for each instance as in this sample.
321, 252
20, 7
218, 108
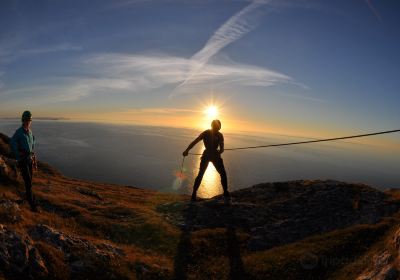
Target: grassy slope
128, 217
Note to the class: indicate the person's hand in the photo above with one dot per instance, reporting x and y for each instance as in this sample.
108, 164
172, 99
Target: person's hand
35, 165
185, 153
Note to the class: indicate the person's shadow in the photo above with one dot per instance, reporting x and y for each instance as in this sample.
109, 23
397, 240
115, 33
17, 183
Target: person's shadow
183, 257
236, 270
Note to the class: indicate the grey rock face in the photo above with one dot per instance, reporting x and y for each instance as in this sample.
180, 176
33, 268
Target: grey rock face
82, 255
9, 211
18, 257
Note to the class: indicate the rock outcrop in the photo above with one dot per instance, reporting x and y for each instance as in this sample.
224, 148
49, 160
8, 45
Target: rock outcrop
83, 256
10, 211
8, 170
279, 213
19, 259
385, 264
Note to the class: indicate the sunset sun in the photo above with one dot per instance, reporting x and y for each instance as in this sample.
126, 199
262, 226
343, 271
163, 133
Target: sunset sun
211, 111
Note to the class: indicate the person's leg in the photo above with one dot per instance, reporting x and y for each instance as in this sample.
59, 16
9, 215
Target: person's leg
203, 166
219, 166
27, 176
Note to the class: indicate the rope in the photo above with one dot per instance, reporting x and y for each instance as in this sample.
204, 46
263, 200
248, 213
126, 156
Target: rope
309, 141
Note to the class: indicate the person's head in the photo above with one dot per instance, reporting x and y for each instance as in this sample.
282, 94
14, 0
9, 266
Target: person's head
216, 125
26, 119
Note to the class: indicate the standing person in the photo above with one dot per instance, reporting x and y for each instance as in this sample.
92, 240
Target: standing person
212, 139
23, 144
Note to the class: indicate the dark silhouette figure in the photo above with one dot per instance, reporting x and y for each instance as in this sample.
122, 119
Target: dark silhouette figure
23, 144
183, 257
237, 270
212, 139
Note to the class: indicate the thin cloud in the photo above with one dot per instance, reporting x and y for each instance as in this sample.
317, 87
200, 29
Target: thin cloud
57, 48
139, 74
233, 29
9, 54
150, 72
161, 111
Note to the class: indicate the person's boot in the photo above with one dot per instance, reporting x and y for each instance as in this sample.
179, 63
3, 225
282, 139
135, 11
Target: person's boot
34, 208
33, 205
227, 197
193, 199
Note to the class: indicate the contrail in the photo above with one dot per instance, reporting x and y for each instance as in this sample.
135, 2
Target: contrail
233, 29
373, 10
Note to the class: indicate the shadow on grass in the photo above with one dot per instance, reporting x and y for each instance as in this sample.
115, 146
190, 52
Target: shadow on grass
183, 255
237, 270
185, 249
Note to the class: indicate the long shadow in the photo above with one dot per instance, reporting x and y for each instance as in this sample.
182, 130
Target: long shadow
237, 270
183, 257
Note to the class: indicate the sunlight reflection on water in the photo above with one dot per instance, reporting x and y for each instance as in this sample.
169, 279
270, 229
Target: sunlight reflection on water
211, 184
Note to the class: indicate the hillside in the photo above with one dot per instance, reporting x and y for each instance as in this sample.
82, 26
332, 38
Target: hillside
305, 229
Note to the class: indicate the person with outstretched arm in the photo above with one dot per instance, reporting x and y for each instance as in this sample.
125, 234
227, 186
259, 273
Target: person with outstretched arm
212, 139
23, 145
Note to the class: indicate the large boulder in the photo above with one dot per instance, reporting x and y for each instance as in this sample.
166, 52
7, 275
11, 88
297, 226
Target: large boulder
8, 170
19, 259
83, 256
5, 148
9, 211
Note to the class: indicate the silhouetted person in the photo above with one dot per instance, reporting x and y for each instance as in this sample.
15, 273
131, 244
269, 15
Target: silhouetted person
212, 139
23, 145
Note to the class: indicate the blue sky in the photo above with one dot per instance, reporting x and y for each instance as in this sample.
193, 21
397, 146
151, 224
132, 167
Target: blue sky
295, 67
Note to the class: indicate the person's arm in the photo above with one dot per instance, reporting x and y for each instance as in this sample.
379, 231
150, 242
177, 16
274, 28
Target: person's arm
35, 165
221, 144
195, 141
14, 145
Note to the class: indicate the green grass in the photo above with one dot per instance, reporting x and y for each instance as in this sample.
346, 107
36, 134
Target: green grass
316, 257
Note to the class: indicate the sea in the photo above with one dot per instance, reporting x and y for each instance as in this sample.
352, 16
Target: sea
151, 157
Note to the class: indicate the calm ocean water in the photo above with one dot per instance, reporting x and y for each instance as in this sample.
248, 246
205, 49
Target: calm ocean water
150, 157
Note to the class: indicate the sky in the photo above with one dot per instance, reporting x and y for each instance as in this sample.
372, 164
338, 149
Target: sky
300, 67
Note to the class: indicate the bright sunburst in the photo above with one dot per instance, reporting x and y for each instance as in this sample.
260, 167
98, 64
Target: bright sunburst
211, 112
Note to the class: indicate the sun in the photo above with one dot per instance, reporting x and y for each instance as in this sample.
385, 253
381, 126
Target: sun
211, 111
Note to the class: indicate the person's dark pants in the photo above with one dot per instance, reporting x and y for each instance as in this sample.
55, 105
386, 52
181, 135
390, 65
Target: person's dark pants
26, 166
219, 166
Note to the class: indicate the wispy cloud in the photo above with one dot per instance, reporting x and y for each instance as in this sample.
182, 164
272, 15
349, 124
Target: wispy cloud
146, 72
12, 53
56, 48
233, 29
138, 74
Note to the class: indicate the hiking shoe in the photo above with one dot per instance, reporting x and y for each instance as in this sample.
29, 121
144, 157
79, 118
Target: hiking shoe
227, 197
35, 209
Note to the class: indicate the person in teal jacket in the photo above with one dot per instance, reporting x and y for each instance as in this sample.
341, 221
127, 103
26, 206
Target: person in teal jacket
23, 145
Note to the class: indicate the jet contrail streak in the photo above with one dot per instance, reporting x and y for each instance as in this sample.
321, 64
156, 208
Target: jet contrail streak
233, 29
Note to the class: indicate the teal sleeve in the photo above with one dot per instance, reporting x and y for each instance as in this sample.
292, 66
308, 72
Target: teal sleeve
14, 145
